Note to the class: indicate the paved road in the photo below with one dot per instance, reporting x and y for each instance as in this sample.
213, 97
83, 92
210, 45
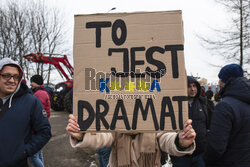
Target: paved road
58, 152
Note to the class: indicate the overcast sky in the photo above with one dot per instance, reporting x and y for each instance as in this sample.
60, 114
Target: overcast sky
198, 16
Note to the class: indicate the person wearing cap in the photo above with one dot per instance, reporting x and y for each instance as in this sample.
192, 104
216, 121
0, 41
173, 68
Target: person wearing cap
21, 114
209, 93
39, 90
198, 112
36, 83
229, 138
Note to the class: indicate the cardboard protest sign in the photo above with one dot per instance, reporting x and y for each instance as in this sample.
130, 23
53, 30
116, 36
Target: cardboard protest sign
130, 72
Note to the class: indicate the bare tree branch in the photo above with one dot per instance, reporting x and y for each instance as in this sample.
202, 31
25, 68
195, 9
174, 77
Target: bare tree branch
232, 44
30, 27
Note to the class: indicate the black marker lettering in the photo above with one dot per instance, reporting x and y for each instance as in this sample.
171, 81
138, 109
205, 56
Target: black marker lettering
98, 26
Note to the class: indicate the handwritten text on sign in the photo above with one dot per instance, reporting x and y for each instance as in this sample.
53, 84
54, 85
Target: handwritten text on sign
98, 112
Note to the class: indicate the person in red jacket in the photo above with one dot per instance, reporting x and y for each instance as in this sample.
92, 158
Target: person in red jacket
36, 83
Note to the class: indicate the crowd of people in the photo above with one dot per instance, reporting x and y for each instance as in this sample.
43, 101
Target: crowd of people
214, 135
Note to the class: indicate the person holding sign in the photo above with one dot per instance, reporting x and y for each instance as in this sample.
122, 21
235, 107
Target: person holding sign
198, 111
134, 149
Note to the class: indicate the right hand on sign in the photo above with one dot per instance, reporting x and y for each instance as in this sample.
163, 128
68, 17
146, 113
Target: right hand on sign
73, 128
187, 136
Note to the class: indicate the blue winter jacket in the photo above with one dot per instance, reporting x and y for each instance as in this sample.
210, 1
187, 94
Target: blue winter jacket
229, 138
24, 129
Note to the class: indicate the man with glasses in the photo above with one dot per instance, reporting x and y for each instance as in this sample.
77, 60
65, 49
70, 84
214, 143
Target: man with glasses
23, 126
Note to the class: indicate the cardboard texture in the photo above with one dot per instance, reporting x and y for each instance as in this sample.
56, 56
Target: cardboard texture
134, 45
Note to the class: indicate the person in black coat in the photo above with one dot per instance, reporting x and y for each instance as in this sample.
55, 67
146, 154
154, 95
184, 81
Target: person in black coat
198, 111
228, 143
209, 93
24, 127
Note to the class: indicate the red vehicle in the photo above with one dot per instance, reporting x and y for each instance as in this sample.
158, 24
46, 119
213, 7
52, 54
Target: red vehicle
63, 91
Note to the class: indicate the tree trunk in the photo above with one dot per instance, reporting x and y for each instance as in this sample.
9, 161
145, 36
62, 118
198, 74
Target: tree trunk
241, 34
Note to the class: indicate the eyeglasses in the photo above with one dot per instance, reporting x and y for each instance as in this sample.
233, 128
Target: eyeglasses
9, 76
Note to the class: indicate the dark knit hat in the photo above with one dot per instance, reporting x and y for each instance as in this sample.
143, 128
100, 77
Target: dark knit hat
230, 71
38, 79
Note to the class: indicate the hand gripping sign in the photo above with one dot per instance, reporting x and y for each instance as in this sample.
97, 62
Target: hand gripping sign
129, 72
